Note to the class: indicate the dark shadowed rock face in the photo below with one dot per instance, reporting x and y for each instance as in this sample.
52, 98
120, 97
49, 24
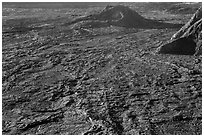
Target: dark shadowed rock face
184, 46
188, 40
121, 16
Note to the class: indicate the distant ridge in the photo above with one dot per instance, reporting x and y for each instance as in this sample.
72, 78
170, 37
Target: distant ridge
54, 4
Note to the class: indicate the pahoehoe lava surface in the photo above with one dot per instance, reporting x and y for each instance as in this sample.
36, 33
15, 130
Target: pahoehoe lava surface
63, 79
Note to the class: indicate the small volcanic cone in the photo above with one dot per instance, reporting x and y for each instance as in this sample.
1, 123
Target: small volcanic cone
188, 40
121, 16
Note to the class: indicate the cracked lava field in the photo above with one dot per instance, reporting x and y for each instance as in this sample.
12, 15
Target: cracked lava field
94, 78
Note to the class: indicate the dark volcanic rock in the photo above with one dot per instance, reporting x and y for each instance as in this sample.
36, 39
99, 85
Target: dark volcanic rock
121, 16
188, 40
185, 46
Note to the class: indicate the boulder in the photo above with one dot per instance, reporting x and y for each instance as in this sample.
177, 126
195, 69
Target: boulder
188, 40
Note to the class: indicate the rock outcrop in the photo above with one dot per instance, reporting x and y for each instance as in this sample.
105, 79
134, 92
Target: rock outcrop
188, 40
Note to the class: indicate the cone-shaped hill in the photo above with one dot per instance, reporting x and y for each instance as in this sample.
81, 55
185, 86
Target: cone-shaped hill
121, 16
188, 40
